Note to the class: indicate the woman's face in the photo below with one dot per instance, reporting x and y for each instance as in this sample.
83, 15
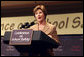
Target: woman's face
39, 15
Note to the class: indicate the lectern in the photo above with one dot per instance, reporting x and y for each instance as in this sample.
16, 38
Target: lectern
39, 40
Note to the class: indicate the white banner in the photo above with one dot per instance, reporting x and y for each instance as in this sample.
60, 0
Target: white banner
71, 23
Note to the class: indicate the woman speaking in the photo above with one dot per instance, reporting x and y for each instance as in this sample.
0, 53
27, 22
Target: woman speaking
40, 14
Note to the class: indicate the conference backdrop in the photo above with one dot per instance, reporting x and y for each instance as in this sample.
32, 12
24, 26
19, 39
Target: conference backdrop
71, 23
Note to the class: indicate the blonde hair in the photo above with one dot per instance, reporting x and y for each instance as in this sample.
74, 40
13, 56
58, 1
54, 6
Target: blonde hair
42, 7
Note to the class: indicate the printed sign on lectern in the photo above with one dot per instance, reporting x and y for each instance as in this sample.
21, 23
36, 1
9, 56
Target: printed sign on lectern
21, 37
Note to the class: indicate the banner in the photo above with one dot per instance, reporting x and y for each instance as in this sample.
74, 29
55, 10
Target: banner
71, 23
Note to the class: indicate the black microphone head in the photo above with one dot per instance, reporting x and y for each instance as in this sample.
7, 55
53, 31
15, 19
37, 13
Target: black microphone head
23, 26
26, 24
32, 23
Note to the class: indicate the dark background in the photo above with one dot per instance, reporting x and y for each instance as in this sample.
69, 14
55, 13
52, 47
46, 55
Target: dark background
25, 8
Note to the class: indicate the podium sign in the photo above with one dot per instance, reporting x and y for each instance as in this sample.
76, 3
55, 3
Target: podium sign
21, 37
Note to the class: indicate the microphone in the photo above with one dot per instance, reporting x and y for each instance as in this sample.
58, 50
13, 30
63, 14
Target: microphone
23, 26
27, 25
32, 23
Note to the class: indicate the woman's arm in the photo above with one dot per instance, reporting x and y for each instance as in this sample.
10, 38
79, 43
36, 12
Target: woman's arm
54, 35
